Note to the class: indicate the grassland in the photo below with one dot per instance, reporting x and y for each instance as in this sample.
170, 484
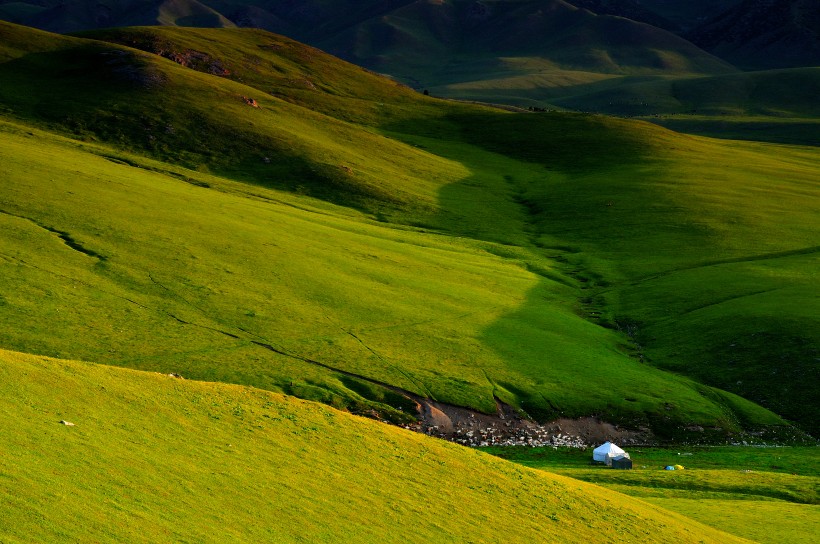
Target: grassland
202, 310
766, 495
336, 242
151, 458
290, 224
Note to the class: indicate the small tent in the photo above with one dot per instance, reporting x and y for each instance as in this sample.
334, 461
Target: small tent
622, 462
600, 453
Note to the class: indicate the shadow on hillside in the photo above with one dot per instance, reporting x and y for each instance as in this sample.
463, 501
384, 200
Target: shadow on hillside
565, 197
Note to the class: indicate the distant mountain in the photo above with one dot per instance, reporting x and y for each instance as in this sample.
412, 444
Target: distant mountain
687, 14
631, 9
417, 39
414, 38
761, 34
462, 40
73, 16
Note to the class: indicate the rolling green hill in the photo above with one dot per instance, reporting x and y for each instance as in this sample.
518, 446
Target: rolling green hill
358, 241
151, 458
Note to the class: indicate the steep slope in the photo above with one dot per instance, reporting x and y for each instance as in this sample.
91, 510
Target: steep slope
276, 65
151, 458
279, 305
719, 291
764, 34
629, 9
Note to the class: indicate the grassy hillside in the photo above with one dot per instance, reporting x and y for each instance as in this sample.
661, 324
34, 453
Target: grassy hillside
478, 254
429, 44
275, 65
768, 495
156, 107
383, 308
696, 258
152, 458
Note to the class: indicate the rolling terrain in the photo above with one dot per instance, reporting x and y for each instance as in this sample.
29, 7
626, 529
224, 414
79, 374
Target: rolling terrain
560, 235
623, 58
428, 44
302, 241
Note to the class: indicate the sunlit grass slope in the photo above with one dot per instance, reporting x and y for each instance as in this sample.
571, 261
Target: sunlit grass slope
152, 458
278, 66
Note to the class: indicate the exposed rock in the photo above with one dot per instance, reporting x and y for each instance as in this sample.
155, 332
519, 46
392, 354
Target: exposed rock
196, 60
508, 428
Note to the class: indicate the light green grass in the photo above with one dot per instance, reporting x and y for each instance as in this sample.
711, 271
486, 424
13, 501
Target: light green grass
765, 494
765, 522
152, 458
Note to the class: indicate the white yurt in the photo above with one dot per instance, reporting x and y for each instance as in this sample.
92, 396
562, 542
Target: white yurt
606, 450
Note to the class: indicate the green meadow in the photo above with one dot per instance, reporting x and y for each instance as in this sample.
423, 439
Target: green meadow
763, 494
356, 237
152, 458
303, 241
